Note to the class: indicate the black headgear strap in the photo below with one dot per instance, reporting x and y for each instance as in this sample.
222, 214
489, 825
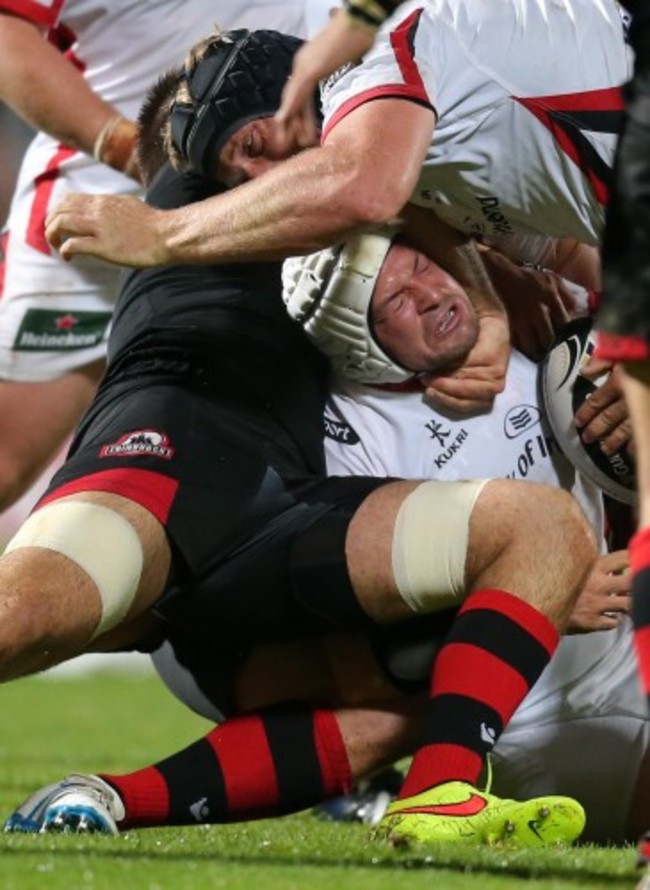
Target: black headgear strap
239, 79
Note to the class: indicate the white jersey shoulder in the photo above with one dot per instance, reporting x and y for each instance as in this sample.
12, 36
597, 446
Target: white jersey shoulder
499, 75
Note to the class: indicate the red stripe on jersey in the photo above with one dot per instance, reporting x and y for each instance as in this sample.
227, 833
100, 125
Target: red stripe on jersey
620, 348
41, 13
391, 91
151, 490
561, 116
640, 551
523, 614
642, 645
44, 184
62, 37
4, 247
487, 672
246, 752
402, 39
413, 87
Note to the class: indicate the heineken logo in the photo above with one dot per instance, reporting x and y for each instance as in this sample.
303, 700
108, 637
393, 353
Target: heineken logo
47, 329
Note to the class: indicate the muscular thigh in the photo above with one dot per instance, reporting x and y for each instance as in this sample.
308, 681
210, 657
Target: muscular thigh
407, 547
257, 539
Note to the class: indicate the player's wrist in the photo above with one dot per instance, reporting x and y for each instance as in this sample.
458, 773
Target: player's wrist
115, 145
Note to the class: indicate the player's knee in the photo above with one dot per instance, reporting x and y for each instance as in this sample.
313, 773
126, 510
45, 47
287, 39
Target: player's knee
79, 531
558, 522
536, 529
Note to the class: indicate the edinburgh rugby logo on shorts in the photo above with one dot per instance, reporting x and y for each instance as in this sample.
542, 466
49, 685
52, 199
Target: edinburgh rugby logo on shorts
139, 443
45, 329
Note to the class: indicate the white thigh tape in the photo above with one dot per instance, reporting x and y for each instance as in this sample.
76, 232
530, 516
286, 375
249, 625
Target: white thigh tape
100, 541
430, 544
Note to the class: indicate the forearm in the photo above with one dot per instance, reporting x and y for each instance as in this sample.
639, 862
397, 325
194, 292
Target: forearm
306, 203
45, 89
575, 261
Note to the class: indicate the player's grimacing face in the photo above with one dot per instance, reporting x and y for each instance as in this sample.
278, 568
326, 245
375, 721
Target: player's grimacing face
419, 314
251, 151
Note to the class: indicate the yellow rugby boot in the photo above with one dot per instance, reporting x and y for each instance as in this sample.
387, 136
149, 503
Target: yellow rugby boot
459, 812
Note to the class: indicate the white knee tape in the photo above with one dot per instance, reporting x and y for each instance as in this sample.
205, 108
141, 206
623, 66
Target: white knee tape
430, 543
100, 541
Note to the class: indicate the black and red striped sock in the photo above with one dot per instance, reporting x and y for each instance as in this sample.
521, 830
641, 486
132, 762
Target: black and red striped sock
640, 567
277, 761
496, 649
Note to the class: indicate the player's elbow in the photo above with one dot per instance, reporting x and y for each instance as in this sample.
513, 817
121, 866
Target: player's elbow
371, 205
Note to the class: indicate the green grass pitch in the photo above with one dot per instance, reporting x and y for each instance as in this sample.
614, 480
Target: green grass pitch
119, 723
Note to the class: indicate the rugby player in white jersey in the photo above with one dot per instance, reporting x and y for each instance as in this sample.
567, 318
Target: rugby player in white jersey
585, 716
77, 71
252, 701
586, 702
480, 114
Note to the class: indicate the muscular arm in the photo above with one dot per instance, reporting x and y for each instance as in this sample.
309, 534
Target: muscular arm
362, 175
45, 89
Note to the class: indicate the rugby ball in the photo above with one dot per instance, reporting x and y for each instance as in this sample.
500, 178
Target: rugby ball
564, 389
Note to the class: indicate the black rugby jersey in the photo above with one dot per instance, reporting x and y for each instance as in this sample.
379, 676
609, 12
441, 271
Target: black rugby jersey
224, 324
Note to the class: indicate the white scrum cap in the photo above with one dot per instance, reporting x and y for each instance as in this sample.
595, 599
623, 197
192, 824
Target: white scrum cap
329, 293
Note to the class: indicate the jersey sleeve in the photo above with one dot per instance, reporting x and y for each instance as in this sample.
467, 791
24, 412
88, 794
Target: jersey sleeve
396, 67
41, 12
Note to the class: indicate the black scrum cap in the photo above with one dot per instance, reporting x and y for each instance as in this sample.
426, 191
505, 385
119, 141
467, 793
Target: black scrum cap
239, 79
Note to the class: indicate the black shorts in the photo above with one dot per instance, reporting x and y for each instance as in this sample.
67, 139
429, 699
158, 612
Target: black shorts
258, 539
204, 677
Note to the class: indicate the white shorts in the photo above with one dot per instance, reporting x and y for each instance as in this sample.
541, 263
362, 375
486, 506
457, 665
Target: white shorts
582, 731
54, 316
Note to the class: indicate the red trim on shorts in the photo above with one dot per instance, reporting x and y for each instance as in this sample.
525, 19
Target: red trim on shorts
151, 490
43, 186
621, 348
413, 87
4, 249
34, 12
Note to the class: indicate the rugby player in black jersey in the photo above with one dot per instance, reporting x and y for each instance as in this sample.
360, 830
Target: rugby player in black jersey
194, 498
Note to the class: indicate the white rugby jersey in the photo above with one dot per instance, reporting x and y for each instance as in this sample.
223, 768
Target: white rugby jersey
122, 46
371, 431
527, 101
375, 432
